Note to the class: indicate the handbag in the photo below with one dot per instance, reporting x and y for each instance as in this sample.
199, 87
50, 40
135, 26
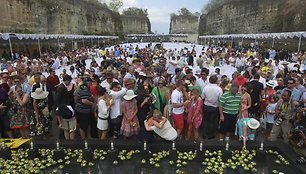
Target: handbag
263, 121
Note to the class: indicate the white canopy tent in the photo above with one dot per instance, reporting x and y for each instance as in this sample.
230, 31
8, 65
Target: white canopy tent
287, 35
38, 37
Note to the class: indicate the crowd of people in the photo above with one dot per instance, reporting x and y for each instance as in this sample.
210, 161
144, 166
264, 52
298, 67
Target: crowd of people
148, 93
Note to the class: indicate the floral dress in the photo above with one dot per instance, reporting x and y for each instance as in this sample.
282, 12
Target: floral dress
129, 128
19, 114
195, 105
44, 120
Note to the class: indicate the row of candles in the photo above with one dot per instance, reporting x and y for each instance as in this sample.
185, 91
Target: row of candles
112, 147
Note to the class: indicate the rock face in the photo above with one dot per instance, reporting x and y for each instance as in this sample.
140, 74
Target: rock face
65, 17
185, 25
254, 16
134, 24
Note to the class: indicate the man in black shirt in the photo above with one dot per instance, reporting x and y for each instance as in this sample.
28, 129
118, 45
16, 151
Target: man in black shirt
256, 91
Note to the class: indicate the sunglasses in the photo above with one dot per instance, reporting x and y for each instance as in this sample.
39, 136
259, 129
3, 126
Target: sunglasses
5, 77
203, 74
16, 81
291, 83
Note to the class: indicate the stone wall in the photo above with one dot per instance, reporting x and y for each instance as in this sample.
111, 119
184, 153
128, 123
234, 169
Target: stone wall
60, 16
135, 24
254, 16
185, 25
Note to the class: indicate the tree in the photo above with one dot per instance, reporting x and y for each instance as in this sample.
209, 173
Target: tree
115, 5
184, 12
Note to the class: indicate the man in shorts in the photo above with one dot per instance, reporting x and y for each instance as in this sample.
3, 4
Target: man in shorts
229, 109
83, 107
178, 107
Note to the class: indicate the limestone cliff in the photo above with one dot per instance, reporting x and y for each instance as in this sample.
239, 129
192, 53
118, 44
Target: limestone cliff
184, 24
135, 24
254, 16
66, 16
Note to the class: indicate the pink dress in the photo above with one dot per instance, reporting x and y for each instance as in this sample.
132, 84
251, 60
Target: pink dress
127, 129
244, 104
196, 105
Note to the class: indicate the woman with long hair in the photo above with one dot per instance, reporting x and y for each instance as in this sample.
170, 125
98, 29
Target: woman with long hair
246, 101
20, 112
194, 119
103, 105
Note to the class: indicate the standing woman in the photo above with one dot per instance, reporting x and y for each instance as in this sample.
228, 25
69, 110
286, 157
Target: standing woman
246, 101
103, 105
130, 124
194, 119
42, 117
160, 93
20, 112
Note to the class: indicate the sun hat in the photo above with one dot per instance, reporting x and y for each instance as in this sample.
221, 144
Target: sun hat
129, 95
253, 123
39, 94
5, 71
270, 83
13, 74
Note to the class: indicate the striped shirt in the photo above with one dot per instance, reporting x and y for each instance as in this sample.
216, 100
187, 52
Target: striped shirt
230, 103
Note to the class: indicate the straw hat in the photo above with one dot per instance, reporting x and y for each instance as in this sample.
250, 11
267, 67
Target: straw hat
253, 123
39, 94
129, 95
13, 74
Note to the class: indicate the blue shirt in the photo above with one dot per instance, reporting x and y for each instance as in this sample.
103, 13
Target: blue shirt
250, 132
295, 94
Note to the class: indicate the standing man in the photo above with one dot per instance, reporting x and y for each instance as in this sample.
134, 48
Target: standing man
285, 111
178, 107
256, 93
295, 93
211, 93
83, 107
230, 110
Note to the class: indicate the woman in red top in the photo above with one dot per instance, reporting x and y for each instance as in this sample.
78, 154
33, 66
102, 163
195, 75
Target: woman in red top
194, 119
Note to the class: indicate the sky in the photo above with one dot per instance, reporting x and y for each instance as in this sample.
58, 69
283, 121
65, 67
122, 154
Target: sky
159, 10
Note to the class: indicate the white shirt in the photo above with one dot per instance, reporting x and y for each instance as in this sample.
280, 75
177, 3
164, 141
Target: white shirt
172, 65
116, 107
103, 112
167, 132
201, 83
177, 97
107, 85
211, 94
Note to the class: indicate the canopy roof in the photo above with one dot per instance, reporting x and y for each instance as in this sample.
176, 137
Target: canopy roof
6, 36
157, 35
258, 36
